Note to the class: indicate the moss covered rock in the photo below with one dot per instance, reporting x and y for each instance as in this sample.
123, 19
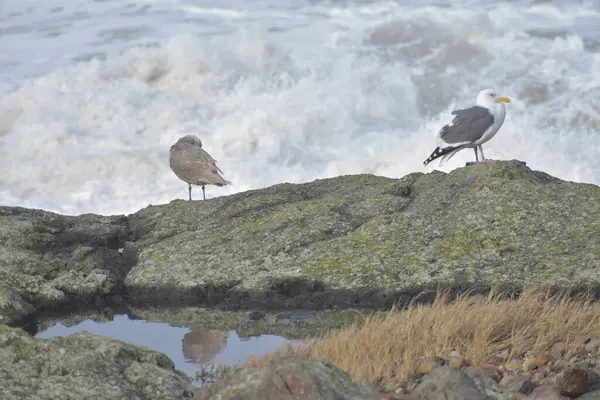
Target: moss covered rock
494, 225
352, 241
84, 366
49, 260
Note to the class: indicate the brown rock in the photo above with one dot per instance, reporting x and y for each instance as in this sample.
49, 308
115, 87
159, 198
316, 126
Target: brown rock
545, 393
572, 382
424, 366
294, 385
487, 369
289, 378
542, 360
458, 362
558, 349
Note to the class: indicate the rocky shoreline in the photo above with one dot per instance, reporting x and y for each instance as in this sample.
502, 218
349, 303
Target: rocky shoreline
351, 242
354, 241
564, 372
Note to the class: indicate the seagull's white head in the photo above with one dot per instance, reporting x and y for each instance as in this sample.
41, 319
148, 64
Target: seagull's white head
488, 97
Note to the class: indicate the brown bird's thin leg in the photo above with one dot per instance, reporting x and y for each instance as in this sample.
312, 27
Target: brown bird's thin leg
476, 155
190, 190
203, 193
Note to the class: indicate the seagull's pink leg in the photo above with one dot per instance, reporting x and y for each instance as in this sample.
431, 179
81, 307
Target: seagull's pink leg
476, 154
483, 157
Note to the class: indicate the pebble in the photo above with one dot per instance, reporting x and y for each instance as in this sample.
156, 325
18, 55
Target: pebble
543, 359
458, 362
568, 369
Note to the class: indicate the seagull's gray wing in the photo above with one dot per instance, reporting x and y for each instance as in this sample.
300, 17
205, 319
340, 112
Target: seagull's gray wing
468, 126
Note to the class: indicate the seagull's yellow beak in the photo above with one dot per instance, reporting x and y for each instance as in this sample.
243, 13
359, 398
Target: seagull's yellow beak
504, 99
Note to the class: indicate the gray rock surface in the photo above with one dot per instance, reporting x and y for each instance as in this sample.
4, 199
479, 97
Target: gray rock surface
447, 383
363, 239
350, 241
49, 260
357, 240
289, 378
84, 366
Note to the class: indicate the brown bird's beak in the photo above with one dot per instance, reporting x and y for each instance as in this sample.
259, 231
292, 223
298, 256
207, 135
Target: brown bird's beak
504, 99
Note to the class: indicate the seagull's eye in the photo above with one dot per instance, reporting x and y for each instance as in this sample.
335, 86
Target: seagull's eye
493, 94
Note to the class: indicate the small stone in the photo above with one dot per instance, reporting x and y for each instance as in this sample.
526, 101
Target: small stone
458, 362
294, 385
424, 366
542, 360
529, 364
558, 349
545, 393
518, 383
487, 369
572, 382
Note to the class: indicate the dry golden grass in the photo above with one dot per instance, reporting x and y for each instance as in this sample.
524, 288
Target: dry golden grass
382, 349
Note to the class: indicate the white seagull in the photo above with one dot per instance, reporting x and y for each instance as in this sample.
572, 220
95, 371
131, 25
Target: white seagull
471, 127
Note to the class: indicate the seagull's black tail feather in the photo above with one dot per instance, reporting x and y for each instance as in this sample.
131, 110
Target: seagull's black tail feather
439, 152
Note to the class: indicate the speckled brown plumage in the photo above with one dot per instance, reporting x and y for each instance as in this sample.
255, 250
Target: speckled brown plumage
195, 166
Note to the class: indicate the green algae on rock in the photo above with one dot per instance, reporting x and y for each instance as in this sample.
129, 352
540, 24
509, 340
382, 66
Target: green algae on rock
350, 241
84, 366
492, 225
48, 260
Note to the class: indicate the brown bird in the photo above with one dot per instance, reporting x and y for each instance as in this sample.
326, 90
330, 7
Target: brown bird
195, 166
